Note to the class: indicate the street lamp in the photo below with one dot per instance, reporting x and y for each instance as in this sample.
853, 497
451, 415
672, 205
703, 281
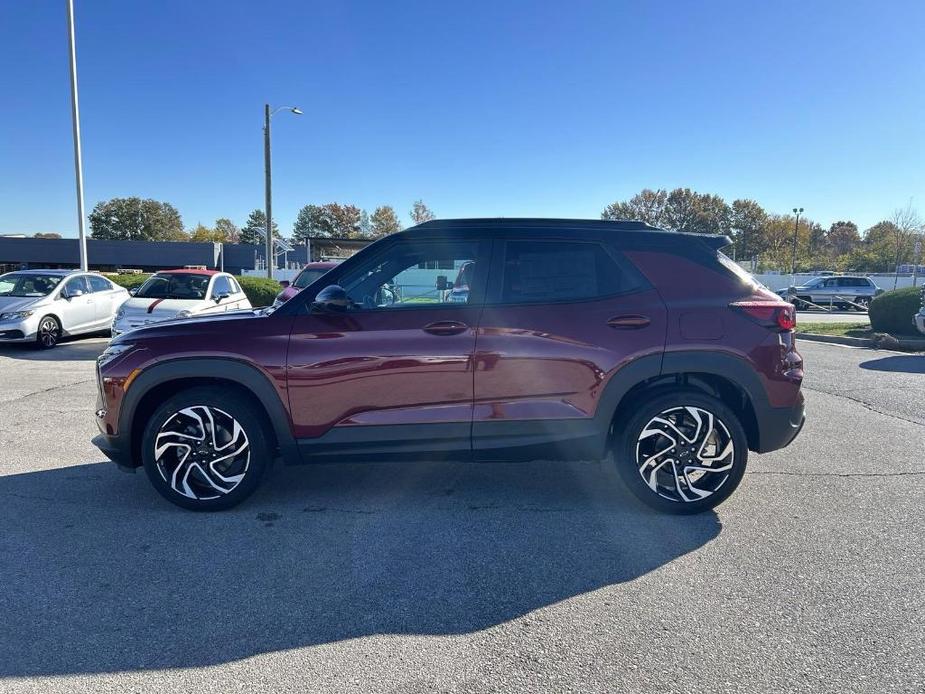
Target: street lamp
796, 226
75, 125
268, 114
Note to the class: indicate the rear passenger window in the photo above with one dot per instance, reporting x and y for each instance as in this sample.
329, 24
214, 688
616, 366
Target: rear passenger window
98, 284
539, 271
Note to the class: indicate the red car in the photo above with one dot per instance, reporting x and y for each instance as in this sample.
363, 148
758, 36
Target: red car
310, 273
575, 338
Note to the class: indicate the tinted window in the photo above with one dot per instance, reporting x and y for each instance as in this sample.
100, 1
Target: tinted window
410, 275
98, 284
557, 271
306, 277
222, 286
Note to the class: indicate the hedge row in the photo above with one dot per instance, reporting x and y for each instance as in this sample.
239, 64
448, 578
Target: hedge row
259, 290
892, 312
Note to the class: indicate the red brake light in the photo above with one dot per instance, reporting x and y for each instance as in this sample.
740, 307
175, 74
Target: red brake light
771, 313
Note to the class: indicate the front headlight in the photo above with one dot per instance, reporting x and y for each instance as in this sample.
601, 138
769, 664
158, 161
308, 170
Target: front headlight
111, 353
183, 314
120, 314
16, 315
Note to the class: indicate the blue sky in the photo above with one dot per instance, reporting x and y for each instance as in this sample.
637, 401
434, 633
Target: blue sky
481, 109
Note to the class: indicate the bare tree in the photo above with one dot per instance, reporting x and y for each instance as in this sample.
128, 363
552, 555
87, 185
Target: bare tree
908, 226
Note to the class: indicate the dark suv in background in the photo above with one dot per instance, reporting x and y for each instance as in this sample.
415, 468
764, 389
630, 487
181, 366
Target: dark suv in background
574, 338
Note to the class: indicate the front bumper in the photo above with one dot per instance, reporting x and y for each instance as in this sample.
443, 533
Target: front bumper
779, 426
19, 331
115, 450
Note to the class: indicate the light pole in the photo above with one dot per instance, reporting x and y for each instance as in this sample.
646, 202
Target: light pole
796, 227
75, 117
268, 114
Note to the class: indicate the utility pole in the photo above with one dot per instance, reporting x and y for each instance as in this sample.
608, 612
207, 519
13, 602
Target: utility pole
796, 228
269, 194
75, 117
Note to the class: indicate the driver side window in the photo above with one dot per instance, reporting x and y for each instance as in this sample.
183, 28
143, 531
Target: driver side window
419, 275
75, 286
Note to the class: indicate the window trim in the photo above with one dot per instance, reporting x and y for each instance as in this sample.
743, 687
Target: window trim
496, 273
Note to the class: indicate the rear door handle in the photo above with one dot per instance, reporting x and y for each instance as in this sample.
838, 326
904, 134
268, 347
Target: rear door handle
445, 327
629, 322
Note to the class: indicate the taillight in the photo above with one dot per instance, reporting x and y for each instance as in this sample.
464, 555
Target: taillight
769, 313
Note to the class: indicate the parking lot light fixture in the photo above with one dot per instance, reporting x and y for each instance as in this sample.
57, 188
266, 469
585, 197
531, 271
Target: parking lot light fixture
793, 260
268, 114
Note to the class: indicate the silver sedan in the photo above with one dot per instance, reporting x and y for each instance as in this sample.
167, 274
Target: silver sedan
42, 306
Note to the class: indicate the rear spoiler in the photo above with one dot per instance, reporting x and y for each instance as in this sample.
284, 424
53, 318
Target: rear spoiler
714, 242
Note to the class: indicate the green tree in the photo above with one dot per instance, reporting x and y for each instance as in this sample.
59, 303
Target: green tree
646, 206
135, 219
254, 229
747, 220
383, 222
331, 220
421, 213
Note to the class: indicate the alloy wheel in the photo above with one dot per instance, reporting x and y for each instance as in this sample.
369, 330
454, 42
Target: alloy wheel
48, 332
685, 454
202, 452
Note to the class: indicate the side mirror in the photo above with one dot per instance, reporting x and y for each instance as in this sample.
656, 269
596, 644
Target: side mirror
219, 297
331, 299
133, 291
284, 284
72, 293
442, 284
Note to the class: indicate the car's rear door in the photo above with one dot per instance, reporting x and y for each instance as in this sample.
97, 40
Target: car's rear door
561, 318
393, 373
105, 299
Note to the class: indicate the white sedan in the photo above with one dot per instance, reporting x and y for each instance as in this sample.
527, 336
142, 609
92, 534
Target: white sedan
180, 294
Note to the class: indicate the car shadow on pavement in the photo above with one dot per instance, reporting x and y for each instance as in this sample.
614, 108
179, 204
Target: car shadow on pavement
101, 575
69, 349
908, 363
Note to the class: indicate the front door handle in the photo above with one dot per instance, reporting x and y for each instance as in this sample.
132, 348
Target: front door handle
445, 327
629, 322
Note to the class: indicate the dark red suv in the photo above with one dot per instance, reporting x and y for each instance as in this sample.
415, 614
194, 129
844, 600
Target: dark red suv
574, 338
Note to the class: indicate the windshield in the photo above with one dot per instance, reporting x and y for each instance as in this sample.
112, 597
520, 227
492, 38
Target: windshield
306, 277
22, 284
176, 285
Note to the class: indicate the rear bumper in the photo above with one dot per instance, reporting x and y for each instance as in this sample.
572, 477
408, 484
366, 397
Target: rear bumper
116, 450
778, 426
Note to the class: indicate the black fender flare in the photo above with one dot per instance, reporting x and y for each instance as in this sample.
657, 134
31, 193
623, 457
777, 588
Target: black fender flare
241, 373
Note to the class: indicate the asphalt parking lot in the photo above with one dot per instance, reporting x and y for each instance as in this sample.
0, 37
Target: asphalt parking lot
468, 578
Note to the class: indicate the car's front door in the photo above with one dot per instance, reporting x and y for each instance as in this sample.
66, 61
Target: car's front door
560, 318
77, 307
392, 372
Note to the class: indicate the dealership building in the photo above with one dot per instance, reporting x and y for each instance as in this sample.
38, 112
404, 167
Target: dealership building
17, 253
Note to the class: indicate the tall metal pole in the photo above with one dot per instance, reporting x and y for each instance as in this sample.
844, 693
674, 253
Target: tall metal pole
271, 261
75, 116
796, 228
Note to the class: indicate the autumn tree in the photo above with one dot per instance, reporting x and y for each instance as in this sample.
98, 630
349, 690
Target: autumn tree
332, 220
226, 231
842, 238
747, 220
383, 222
421, 213
136, 219
202, 234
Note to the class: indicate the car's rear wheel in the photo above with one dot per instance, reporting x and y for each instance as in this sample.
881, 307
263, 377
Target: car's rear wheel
862, 303
206, 449
682, 452
48, 333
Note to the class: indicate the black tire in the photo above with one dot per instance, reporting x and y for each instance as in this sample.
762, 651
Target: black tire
862, 301
223, 407
719, 484
48, 333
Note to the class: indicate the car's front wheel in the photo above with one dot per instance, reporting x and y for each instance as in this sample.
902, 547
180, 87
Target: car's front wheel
206, 449
48, 333
681, 452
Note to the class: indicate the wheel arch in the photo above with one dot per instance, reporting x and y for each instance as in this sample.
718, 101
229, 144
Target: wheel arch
726, 377
163, 380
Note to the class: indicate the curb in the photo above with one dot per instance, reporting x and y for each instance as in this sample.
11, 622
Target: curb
837, 339
890, 343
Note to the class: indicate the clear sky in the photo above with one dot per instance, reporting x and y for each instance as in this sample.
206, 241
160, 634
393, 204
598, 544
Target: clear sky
480, 108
